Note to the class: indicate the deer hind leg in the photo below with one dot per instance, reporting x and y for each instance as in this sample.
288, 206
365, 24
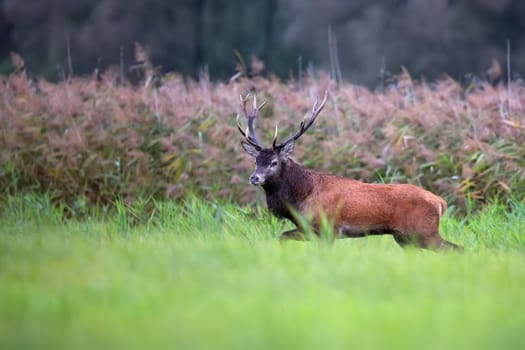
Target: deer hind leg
429, 237
435, 242
423, 231
403, 240
427, 241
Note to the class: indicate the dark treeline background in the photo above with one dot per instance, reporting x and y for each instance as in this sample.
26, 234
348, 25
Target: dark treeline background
428, 37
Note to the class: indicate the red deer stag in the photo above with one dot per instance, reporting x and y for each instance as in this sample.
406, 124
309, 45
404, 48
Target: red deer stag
356, 209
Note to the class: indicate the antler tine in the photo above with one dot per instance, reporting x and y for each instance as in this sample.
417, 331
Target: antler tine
306, 123
243, 103
274, 141
249, 134
246, 134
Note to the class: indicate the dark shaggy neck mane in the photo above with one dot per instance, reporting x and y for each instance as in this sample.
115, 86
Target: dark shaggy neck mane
290, 189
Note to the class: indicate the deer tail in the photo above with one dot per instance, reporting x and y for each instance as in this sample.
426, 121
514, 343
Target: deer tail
442, 207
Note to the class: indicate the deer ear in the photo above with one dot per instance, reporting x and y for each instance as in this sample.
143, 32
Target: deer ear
287, 149
250, 149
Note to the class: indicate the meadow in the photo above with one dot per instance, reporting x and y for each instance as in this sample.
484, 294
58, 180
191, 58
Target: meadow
126, 220
201, 274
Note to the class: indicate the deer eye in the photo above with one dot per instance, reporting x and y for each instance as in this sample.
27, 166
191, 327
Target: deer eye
273, 164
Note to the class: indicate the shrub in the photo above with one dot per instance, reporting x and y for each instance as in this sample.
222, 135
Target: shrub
100, 138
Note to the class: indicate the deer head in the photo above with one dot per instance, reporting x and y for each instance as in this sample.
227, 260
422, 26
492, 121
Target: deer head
270, 162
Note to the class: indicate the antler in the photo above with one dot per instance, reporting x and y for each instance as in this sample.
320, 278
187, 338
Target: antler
305, 123
249, 134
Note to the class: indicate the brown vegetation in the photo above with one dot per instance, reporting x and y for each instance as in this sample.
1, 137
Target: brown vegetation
168, 135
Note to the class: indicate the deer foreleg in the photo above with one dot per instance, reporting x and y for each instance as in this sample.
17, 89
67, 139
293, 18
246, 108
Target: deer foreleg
294, 234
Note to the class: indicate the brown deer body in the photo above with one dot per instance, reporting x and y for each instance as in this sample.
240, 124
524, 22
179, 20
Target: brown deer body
355, 209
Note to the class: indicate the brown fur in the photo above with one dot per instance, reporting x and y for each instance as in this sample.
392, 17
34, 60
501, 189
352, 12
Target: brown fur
411, 214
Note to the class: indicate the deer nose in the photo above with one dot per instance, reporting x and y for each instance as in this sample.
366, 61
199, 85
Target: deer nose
255, 179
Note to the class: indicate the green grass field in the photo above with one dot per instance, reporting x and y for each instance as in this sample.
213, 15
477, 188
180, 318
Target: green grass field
207, 275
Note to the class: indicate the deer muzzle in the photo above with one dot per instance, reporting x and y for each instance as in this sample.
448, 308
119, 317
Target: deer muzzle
256, 179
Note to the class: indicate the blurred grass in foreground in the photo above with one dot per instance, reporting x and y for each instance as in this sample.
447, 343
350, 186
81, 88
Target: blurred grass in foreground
208, 275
